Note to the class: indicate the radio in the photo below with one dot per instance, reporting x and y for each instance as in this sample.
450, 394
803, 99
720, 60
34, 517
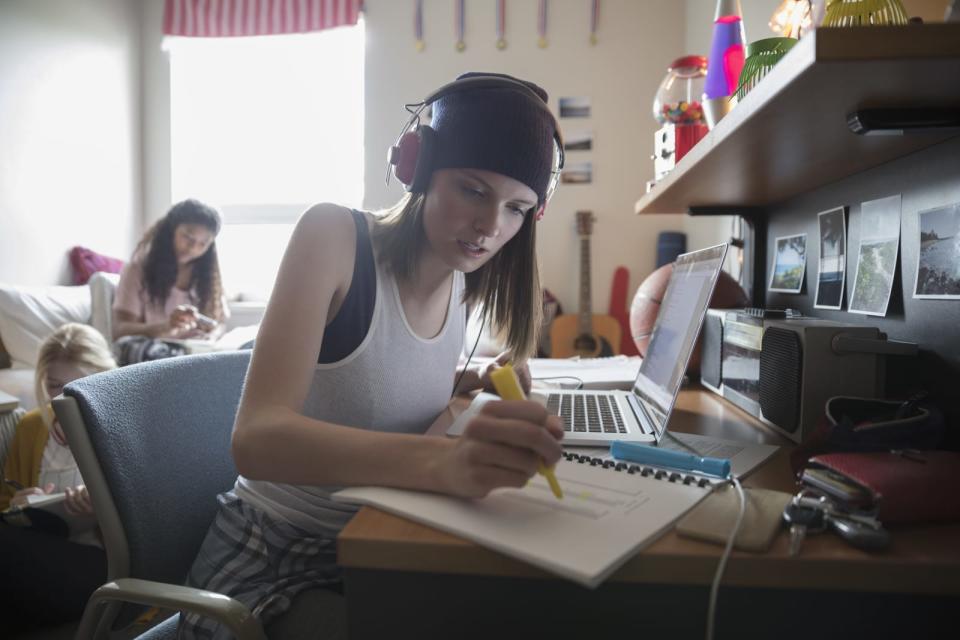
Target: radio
781, 367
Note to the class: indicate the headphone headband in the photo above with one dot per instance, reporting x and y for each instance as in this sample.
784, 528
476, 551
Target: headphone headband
490, 82
412, 169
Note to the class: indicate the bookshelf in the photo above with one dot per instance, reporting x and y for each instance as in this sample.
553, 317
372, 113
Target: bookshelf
789, 135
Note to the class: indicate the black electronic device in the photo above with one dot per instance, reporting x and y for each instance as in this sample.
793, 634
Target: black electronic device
783, 369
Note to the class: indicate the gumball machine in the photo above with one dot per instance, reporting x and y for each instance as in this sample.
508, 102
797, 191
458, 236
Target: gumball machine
678, 109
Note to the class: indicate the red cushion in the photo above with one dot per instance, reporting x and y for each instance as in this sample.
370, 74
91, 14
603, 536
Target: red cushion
85, 263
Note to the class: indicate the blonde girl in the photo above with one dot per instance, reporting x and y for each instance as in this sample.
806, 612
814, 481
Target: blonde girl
47, 576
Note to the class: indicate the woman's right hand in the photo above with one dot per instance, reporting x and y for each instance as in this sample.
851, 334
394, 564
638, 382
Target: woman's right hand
501, 447
19, 499
183, 319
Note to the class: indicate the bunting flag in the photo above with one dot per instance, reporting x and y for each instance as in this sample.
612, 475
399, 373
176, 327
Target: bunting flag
418, 25
460, 23
228, 18
594, 20
542, 24
501, 24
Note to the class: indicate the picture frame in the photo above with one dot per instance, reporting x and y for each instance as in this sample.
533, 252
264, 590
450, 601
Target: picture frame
877, 256
938, 254
832, 266
789, 264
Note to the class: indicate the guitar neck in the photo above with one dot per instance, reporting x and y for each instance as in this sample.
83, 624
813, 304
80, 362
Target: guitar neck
586, 310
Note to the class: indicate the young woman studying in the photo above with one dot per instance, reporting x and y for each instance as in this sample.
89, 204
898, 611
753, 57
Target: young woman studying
358, 350
171, 286
48, 576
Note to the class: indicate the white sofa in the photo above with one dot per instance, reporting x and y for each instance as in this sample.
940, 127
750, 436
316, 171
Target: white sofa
29, 314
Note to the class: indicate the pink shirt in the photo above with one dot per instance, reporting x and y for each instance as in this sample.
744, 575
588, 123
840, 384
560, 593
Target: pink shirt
131, 296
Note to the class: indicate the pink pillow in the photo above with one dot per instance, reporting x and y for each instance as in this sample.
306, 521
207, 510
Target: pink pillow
85, 263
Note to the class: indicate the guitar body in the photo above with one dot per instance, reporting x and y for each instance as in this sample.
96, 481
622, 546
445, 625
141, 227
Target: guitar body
567, 340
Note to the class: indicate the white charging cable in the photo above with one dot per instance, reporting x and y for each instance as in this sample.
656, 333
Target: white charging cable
715, 587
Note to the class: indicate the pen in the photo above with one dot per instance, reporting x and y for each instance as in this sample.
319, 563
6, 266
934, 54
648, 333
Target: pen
505, 382
13, 483
646, 454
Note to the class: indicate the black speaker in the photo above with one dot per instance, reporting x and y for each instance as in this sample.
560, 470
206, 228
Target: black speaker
781, 371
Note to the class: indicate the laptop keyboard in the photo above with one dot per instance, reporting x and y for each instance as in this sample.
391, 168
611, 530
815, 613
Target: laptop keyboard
587, 413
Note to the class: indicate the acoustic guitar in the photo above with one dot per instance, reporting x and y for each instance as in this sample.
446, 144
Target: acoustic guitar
584, 334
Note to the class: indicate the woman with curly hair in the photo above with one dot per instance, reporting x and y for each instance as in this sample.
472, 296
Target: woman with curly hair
171, 287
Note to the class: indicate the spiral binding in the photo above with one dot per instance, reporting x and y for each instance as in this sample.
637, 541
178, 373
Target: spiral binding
643, 470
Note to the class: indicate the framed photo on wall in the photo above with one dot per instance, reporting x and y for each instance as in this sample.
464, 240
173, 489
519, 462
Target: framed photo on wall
832, 270
938, 260
877, 256
789, 264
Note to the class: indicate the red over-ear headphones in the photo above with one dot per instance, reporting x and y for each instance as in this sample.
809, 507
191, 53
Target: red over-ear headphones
411, 157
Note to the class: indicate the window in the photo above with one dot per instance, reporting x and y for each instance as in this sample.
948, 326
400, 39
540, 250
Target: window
262, 128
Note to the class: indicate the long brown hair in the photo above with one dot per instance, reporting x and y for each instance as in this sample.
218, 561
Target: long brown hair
507, 287
160, 261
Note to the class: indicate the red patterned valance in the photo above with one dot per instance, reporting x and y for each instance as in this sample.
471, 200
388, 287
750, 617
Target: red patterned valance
225, 18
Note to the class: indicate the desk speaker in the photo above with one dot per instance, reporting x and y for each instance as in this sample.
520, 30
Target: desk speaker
783, 369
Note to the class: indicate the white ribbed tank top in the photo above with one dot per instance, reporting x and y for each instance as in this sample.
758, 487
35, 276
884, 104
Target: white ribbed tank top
394, 381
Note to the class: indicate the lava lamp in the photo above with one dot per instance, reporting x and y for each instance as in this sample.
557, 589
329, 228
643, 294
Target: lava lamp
725, 61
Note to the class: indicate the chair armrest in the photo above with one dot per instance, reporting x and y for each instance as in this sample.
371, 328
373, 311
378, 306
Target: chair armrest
226, 610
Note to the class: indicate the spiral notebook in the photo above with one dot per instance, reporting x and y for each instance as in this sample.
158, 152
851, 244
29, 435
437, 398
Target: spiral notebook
609, 512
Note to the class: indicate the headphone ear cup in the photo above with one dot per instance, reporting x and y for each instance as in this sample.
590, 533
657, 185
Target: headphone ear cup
424, 164
404, 157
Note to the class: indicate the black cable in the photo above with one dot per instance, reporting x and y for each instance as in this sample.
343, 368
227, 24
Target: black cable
483, 322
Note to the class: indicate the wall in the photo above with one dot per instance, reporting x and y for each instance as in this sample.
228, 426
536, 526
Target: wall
155, 97
69, 141
620, 74
927, 179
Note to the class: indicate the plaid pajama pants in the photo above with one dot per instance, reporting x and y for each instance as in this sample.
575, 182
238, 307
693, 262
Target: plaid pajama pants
259, 561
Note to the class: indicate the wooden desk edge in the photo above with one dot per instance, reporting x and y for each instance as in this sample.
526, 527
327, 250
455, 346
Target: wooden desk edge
376, 540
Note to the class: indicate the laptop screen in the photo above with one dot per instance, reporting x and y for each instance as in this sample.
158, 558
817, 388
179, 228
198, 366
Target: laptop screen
675, 332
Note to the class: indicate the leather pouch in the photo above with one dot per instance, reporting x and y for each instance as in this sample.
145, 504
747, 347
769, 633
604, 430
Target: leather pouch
871, 424
905, 487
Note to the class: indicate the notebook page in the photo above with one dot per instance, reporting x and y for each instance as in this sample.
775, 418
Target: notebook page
604, 518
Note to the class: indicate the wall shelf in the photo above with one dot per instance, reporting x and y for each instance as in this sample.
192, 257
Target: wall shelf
789, 134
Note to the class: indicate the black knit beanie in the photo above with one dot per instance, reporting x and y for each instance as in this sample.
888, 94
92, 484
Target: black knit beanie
497, 129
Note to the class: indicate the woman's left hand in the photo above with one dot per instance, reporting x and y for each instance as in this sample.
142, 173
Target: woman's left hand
77, 502
521, 369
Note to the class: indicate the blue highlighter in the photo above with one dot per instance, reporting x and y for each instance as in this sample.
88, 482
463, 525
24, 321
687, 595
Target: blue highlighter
657, 457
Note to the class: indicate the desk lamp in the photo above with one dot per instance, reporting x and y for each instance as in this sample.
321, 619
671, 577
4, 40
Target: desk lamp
725, 61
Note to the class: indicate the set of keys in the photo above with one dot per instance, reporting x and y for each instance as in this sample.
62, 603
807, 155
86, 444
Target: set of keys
809, 513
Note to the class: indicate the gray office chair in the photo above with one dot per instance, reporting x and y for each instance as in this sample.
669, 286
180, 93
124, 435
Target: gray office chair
152, 441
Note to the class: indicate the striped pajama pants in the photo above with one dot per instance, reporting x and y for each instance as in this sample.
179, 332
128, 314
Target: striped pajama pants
260, 561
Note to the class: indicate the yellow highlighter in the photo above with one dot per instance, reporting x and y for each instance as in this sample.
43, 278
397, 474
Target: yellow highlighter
505, 382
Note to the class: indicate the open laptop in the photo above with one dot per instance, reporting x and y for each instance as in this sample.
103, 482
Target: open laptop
597, 418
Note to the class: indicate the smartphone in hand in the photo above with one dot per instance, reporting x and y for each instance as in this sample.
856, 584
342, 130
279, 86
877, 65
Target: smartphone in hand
206, 322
